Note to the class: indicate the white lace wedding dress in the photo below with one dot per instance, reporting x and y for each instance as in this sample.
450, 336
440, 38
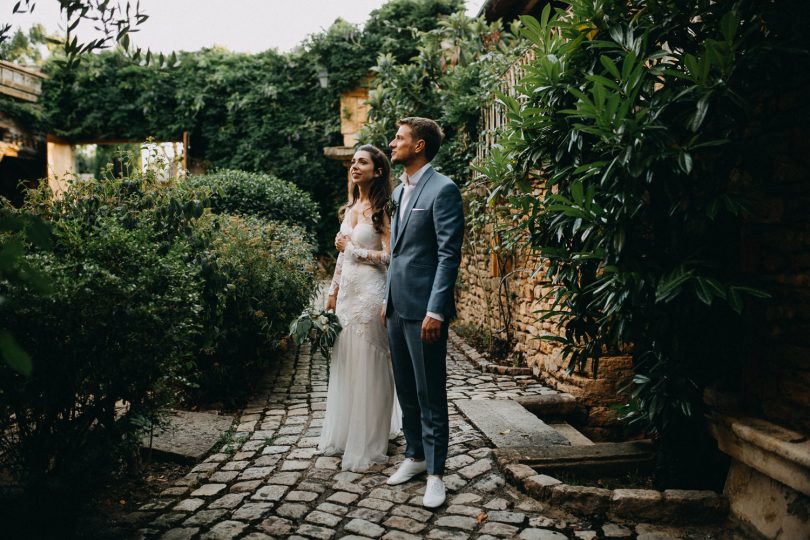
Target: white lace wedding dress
362, 412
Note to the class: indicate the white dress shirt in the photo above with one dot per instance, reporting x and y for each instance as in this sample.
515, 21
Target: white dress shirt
408, 185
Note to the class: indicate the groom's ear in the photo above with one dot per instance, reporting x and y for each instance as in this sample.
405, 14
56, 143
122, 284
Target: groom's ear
419, 146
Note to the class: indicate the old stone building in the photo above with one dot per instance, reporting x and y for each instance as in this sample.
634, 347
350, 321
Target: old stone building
22, 145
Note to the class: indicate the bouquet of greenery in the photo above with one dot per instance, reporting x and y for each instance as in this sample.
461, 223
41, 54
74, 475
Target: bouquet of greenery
320, 328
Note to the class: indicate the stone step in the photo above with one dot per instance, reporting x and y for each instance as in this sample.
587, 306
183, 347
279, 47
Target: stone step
507, 424
187, 436
549, 405
574, 436
609, 458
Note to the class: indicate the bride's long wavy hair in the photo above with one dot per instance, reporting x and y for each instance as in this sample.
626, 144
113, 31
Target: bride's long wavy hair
381, 188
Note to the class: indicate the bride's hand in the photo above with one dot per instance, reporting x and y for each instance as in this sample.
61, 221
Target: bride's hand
340, 241
331, 303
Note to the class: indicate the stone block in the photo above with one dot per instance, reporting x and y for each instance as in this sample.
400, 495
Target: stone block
516, 472
637, 503
583, 499
539, 486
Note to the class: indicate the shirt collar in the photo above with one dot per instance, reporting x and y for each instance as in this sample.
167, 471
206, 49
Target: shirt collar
413, 180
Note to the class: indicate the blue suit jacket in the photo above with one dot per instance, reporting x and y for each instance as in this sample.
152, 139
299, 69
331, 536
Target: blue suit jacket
426, 249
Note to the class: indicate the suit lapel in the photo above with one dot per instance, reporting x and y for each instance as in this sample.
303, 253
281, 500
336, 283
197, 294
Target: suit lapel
397, 196
426, 176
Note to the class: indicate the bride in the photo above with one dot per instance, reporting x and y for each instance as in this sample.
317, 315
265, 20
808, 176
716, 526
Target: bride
361, 414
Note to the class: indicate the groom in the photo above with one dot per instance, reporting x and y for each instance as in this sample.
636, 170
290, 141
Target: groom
427, 229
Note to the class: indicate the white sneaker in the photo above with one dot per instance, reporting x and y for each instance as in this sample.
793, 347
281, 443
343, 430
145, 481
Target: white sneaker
434, 493
407, 470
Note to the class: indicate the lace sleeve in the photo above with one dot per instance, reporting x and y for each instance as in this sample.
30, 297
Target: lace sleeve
380, 258
335, 285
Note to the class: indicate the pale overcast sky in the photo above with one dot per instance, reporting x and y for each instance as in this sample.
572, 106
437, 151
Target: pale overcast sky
239, 25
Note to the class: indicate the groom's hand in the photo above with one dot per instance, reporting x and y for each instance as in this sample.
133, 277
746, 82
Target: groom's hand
382, 316
431, 330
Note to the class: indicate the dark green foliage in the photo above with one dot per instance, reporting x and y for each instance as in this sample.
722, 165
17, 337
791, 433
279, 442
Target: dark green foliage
642, 117
263, 113
259, 276
150, 299
255, 194
455, 71
118, 324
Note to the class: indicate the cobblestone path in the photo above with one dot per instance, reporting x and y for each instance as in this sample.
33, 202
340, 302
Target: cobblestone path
270, 483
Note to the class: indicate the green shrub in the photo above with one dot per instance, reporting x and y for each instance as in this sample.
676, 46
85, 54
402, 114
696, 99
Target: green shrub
259, 276
642, 117
117, 328
256, 194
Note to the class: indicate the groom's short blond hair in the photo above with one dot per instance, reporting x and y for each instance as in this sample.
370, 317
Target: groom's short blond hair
427, 130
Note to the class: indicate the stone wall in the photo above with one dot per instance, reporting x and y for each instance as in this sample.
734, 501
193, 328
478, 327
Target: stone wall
493, 291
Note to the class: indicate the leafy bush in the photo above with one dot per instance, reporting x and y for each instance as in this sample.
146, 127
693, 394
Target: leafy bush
457, 68
641, 117
117, 327
255, 194
149, 296
261, 275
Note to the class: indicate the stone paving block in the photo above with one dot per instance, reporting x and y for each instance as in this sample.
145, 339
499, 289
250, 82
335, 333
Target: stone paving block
176, 491
270, 493
404, 524
276, 526
256, 473
586, 535
612, 530
330, 508
245, 487
342, 497
476, 469
204, 517
188, 505
275, 449
541, 534
251, 511
456, 462
465, 498
303, 496
229, 501
413, 512
257, 536
501, 530
400, 535
323, 519
223, 477
292, 510
285, 478
463, 510
367, 514
225, 530
294, 465
235, 465
184, 533
267, 460
169, 519
347, 476
364, 528
514, 518
208, 490
312, 486
314, 531
457, 522
443, 534
497, 504
326, 462
303, 453
489, 484
454, 482
375, 504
